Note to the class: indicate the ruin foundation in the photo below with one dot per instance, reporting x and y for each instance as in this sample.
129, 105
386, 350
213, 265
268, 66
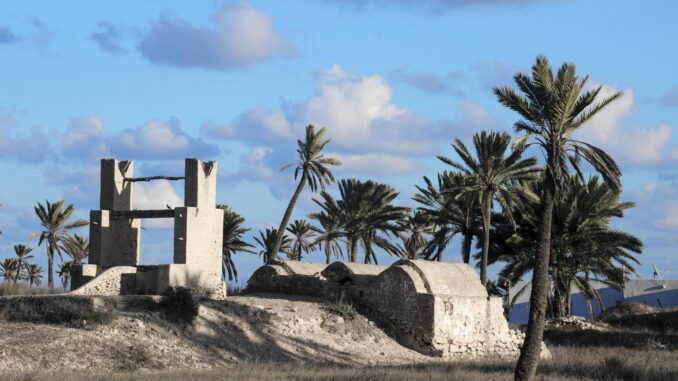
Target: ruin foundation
436, 308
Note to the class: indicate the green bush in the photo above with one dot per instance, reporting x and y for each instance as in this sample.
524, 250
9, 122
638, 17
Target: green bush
346, 311
179, 305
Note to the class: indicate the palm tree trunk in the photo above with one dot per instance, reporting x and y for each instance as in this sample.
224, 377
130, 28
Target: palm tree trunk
466, 247
50, 266
328, 253
353, 249
529, 353
568, 299
487, 207
286, 218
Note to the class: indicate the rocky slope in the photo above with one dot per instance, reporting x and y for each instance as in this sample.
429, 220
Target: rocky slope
264, 328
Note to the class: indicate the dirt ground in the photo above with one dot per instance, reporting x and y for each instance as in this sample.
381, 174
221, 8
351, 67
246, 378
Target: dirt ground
253, 328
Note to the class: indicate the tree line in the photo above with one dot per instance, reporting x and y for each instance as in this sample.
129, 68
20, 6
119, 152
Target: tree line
552, 221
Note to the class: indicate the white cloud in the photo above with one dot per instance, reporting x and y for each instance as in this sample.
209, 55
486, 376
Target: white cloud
376, 164
242, 34
658, 203
424, 81
85, 137
33, 146
357, 111
634, 145
156, 195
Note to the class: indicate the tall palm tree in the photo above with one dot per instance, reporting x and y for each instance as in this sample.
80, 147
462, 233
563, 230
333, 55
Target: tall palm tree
449, 214
9, 269
233, 242
34, 275
267, 242
23, 255
64, 272
302, 234
329, 235
76, 247
54, 220
313, 168
553, 108
364, 210
492, 177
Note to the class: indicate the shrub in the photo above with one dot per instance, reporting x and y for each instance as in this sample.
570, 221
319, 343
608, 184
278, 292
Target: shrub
346, 311
179, 305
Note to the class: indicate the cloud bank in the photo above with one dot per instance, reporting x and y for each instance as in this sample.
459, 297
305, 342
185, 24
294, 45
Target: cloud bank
240, 35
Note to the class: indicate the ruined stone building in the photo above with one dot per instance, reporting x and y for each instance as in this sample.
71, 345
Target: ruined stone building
115, 236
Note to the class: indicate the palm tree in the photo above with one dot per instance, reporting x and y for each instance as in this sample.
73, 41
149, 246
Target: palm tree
54, 220
553, 108
65, 272
34, 275
583, 244
449, 214
413, 237
364, 210
329, 235
302, 233
76, 247
233, 242
492, 177
313, 168
9, 269
267, 242
23, 255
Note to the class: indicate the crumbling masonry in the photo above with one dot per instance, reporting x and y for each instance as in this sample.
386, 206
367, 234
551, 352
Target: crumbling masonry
438, 309
115, 236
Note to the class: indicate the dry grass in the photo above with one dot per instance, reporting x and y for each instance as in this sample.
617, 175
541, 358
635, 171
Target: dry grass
71, 312
568, 363
20, 289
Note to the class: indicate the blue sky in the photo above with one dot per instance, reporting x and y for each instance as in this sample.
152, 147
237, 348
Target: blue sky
394, 82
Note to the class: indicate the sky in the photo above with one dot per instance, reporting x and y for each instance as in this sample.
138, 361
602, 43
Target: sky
394, 82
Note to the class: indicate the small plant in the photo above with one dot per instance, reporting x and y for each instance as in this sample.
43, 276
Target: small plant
346, 311
179, 305
234, 289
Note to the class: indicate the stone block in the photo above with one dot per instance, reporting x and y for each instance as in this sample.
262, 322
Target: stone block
81, 274
200, 185
113, 242
115, 193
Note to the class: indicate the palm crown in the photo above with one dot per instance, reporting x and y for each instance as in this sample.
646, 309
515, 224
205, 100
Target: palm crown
553, 108
492, 176
54, 219
312, 165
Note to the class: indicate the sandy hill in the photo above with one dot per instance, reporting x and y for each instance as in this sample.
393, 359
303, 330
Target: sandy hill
243, 328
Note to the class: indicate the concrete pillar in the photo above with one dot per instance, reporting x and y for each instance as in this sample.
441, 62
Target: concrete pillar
114, 242
198, 235
200, 185
198, 238
115, 193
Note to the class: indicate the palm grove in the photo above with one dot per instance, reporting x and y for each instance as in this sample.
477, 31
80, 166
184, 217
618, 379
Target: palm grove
550, 221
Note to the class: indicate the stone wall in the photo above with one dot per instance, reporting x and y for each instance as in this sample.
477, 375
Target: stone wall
117, 280
290, 277
439, 309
